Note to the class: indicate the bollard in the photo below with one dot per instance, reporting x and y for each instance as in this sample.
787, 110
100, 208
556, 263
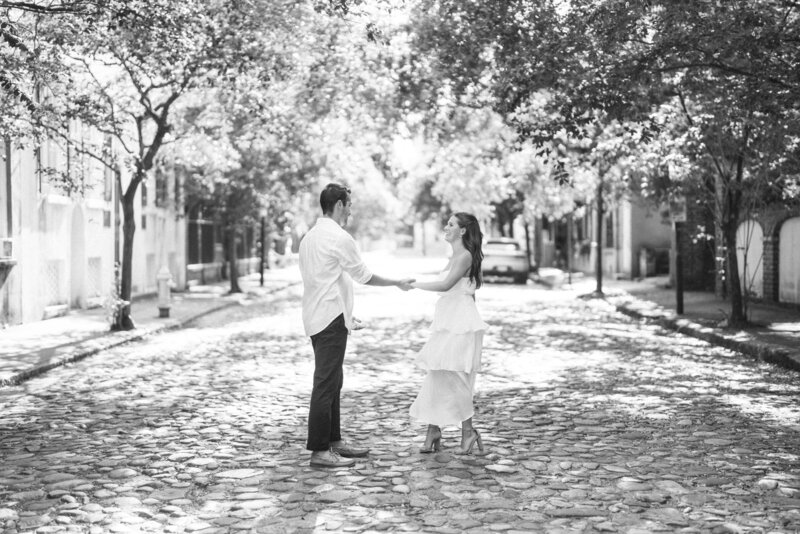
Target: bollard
164, 280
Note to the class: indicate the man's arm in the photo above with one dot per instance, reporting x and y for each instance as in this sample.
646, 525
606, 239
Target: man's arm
353, 265
404, 284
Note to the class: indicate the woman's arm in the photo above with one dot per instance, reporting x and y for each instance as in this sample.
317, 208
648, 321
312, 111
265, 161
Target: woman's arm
460, 268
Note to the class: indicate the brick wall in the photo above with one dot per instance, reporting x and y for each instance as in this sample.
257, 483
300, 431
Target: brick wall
771, 221
770, 268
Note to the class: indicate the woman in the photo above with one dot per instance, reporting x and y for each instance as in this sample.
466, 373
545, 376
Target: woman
452, 355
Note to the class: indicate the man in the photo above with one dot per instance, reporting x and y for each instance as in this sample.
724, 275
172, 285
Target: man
329, 262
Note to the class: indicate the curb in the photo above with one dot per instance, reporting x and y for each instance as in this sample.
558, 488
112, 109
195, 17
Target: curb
109, 340
759, 350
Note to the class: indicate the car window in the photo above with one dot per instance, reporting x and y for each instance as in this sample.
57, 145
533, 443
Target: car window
502, 247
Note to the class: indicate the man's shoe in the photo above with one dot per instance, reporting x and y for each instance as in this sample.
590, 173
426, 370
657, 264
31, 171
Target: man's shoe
329, 459
344, 449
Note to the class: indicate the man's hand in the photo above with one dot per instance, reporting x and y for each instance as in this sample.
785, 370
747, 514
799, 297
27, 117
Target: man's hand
405, 284
358, 324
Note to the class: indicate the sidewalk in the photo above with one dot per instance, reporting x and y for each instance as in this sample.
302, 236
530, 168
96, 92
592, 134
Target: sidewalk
773, 336
30, 349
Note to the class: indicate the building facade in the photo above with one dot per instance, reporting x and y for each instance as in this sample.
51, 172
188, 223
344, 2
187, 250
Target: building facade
768, 249
635, 241
62, 244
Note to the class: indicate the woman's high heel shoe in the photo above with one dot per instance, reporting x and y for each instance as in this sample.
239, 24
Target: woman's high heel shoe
435, 446
473, 439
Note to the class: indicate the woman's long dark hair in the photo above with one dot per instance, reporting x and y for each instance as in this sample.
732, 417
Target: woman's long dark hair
472, 240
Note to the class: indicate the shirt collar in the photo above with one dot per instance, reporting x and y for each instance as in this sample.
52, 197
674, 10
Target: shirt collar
328, 221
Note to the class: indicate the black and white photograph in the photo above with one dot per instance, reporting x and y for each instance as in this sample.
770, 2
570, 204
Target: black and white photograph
432, 266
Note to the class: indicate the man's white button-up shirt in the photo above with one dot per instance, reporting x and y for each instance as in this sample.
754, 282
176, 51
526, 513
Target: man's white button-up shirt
329, 262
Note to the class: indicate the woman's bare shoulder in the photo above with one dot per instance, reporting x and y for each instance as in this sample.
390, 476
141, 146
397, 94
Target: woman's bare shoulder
462, 256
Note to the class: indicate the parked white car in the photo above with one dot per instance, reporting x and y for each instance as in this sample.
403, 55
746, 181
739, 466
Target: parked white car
503, 256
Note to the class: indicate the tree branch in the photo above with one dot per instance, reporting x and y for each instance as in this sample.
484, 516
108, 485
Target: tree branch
57, 9
11, 88
80, 149
724, 68
6, 31
690, 121
115, 130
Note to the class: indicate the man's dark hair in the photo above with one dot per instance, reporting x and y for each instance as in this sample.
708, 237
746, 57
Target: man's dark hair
332, 194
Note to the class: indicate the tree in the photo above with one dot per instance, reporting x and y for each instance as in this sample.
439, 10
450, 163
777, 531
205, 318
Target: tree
322, 120
132, 61
731, 71
258, 160
28, 31
732, 66
351, 94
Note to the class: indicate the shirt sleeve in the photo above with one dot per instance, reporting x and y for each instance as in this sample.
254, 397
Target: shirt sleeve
351, 260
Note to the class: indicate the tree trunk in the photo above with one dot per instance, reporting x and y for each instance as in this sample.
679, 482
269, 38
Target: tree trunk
424, 238
569, 248
737, 316
233, 271
144, 164
721, 279
598, 265
732, 207
528, 245
123, 319
537, 243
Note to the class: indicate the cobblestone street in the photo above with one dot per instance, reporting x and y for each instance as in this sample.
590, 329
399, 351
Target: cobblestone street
591, 421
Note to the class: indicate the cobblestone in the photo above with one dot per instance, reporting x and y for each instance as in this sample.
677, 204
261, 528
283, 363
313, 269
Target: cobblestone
592, 422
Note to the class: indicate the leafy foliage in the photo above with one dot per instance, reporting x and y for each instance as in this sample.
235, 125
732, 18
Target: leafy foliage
719, 80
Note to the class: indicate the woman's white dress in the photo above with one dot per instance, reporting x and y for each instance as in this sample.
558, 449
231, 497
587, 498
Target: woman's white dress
452, 358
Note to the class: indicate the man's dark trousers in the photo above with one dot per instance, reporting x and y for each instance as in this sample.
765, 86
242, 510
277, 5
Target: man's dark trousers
323, 415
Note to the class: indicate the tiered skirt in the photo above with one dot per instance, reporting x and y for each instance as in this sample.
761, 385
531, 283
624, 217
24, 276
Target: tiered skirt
452, 359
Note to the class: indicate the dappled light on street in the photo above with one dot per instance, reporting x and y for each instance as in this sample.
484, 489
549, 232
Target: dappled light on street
589, 418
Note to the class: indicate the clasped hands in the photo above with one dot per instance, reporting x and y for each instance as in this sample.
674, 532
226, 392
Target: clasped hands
405, 284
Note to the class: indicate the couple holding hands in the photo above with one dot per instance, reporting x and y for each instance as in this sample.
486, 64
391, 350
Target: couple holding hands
329, 262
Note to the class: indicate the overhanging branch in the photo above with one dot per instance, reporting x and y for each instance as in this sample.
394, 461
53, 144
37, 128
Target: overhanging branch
59, 8
15, 92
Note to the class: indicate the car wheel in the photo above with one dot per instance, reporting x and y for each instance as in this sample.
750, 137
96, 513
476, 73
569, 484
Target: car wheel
521, 279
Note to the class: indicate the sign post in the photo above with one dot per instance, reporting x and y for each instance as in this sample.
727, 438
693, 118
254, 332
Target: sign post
677, 210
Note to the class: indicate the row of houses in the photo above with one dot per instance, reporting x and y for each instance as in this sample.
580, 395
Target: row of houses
640, 240
59, 250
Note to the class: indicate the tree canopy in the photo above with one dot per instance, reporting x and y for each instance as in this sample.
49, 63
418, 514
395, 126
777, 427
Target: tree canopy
511, 107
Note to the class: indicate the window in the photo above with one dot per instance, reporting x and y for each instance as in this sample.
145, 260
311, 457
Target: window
177, 194
94, 277
609, 237
162, 187
52, 282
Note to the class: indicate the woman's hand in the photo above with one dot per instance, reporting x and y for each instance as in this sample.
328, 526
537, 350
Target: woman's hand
406, 284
